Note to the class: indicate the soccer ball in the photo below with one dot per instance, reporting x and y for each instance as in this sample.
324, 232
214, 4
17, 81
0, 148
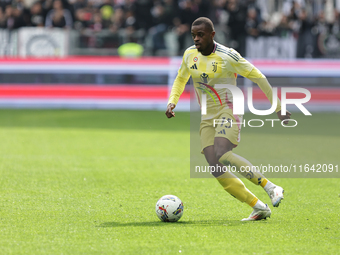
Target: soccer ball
169, 208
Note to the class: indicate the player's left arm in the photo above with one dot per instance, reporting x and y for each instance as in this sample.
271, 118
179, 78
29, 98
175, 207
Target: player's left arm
260, 79
248, 70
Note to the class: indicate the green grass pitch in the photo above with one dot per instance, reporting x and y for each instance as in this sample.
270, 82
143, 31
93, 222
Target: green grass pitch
86, 182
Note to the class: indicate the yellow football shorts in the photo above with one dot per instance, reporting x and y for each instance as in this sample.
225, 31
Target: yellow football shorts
224, 124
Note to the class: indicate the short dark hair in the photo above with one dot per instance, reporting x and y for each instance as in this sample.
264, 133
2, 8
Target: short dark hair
203, 20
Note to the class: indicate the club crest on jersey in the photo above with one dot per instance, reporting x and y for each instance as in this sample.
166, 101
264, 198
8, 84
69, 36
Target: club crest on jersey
204, 78
214, 64
195, 59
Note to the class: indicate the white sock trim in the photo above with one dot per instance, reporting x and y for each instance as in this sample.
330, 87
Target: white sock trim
259, 205
269, 185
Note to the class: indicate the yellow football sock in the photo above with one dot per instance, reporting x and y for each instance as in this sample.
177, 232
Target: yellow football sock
243, 166
236, 188
264, 182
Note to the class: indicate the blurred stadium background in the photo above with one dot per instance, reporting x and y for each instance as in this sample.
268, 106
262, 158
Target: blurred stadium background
86, 181
125, 54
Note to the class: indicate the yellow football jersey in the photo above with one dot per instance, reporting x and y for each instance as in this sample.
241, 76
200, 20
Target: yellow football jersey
220, 67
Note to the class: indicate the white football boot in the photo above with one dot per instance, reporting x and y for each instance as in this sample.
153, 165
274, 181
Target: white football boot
259, 214
276, 195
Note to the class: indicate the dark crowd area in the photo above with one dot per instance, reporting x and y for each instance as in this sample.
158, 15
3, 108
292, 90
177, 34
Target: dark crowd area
134, 20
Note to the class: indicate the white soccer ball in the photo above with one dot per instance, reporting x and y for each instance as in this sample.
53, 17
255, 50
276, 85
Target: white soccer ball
169, 208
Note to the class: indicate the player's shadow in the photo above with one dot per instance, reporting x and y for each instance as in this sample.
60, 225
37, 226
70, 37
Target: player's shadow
228, 223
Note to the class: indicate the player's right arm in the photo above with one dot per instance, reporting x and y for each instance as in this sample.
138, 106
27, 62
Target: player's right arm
177, 88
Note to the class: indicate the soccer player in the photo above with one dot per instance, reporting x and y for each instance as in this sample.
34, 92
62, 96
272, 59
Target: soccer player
210, 63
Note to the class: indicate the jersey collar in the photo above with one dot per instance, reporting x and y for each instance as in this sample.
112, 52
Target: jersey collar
215, 46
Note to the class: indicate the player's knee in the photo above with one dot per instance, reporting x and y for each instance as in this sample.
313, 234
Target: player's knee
220, 152
217, 174
212, 161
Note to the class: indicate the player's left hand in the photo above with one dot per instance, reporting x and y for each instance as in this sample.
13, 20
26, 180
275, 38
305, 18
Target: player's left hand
284, 117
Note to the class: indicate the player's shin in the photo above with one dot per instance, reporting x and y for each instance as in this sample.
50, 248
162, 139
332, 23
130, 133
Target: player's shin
244, 167
235, 187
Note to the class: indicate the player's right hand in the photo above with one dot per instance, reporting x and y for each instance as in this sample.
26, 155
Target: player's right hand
169, 113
